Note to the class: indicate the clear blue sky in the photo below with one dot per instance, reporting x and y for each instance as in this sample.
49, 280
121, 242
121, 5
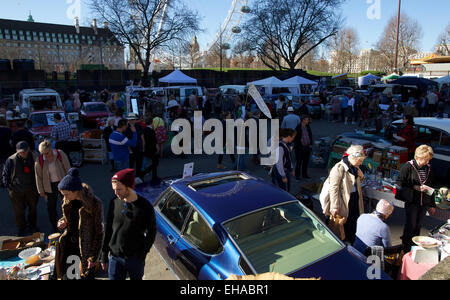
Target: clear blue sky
433, 16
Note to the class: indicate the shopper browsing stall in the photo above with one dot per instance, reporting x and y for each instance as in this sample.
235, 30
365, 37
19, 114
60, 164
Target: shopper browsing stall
415, 189
82, 223
120, 144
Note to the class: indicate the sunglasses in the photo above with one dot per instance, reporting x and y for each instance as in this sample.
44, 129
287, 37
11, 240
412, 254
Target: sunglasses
125, 210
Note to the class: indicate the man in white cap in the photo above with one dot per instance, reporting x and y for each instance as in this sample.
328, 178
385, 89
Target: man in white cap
291, 120
372, 229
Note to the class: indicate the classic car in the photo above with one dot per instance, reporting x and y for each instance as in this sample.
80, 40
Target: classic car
211, 226
94, 114
42, 122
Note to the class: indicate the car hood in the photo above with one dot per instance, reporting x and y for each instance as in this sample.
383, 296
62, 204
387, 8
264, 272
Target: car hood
96, 114
42, 130
151, 190
339, 266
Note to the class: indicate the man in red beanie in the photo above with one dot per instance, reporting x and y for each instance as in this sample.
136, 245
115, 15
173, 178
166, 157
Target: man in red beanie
130, 230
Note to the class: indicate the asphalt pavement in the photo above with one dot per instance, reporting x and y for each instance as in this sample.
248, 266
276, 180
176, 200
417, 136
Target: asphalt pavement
98, 177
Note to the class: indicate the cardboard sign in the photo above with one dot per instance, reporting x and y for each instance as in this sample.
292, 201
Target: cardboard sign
188, 170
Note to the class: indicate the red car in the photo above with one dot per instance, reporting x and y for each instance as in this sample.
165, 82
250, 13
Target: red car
94, 114
42, 122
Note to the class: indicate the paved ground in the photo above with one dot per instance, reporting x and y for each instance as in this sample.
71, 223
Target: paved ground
98, 177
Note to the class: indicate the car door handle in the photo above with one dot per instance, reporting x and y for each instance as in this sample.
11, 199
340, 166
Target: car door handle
170, 239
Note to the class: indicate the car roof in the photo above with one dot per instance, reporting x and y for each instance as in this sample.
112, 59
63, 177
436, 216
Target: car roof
38, 90
442, 124
45, 112
228, 200
93, 102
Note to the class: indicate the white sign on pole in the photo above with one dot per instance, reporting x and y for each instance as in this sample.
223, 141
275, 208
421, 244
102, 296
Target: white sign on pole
252, 91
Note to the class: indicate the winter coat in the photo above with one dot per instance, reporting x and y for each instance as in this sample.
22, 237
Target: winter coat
90, 227
336, 191
42, 174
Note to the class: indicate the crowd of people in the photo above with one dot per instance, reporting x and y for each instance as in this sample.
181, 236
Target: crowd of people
121, 244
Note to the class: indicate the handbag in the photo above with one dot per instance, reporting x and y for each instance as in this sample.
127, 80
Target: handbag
336, 225
405, 194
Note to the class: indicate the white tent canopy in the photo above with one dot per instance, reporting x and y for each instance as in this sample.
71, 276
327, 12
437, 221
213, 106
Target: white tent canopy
443, 80
297, 80
177, 77
366, 80
273, 82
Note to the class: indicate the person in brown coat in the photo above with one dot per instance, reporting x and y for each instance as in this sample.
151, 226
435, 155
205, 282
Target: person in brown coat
50, 168
82, 223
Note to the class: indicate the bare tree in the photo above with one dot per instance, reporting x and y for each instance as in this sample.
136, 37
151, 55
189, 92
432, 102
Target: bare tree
443, 46
409, 38
145, 25
344, 52
283, 32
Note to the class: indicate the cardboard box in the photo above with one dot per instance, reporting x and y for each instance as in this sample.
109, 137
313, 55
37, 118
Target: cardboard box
12, 247
377, 156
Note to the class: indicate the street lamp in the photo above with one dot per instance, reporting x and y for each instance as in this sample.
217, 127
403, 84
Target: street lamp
397, 39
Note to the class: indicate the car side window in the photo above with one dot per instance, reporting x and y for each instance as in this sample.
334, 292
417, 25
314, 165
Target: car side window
445, 139
175, 209
201, 235
428, 136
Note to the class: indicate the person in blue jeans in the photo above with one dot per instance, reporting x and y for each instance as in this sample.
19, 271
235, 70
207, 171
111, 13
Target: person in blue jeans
130, 230
120, 144
344, 106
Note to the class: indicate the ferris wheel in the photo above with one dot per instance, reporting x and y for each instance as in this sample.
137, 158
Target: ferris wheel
230, 25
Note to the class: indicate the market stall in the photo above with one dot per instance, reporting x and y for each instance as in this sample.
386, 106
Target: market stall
28, 258
381, 169
94, 146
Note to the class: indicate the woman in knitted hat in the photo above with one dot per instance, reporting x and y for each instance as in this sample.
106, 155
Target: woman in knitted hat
82, 223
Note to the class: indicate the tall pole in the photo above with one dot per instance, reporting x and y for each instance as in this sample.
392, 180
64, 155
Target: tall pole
397, 39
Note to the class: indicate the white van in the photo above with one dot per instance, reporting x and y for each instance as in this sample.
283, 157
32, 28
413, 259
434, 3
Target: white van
39, 99
182, 93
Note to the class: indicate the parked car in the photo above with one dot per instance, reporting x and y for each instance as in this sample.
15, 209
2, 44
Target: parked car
93, 114
39, 99
42, 122
211, 226
342, 91
434, 132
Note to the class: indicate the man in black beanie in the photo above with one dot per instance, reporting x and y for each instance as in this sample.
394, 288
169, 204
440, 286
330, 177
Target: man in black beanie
130, 230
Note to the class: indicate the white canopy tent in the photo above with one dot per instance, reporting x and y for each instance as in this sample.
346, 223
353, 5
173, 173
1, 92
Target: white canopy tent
273, 82
298, 81
177, 77
443, 80
367, 79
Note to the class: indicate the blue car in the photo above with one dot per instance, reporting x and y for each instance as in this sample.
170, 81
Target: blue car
211, 226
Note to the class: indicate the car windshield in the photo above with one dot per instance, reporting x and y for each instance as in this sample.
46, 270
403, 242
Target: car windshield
43, 102
96, 108
282, 239
45, 119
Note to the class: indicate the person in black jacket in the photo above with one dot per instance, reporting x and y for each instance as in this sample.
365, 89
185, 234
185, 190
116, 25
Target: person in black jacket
5, 140
106, 133
19, 179
415, 179
302, 147
150, 150
130, 230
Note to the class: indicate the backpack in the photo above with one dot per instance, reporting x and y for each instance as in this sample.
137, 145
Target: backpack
41, 158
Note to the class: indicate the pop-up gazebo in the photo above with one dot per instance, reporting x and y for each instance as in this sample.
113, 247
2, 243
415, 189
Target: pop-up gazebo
177, 77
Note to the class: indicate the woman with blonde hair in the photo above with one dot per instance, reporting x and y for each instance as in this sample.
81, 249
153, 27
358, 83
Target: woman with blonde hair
341, 195
50, 168
414, 188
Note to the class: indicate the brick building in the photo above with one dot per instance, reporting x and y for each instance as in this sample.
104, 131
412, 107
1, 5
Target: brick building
60, 48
